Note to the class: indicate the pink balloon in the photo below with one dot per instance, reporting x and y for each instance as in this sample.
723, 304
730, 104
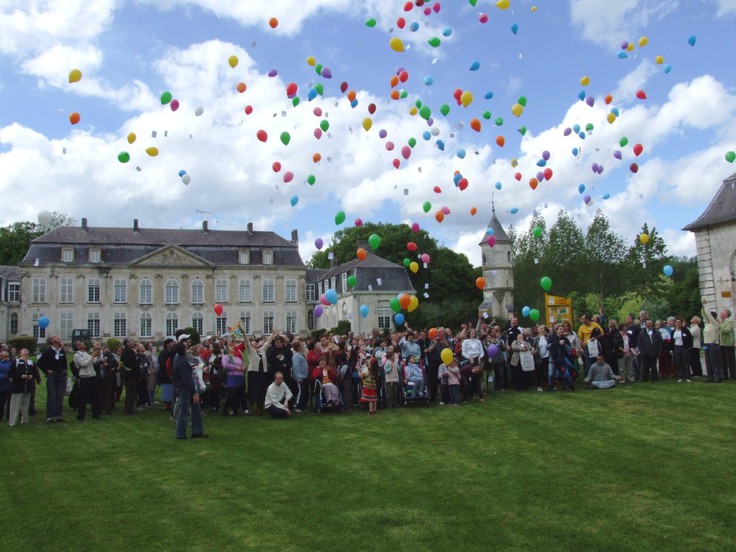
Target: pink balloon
389, 146
318, 133
317, 111
288, 176
358, 222
174, 105
445, 210
491, 241
406, 152
415, 227
425, 258
324, 300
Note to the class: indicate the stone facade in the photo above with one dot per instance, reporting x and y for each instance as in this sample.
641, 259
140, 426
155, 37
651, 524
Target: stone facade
498, 272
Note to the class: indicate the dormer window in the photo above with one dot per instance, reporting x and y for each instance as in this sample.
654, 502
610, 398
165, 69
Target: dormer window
267, 256
67, 254
95, 255
243, 257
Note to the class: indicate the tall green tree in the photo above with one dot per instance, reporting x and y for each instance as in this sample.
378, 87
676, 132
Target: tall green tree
644, 262
564, 257
16, 238
604, 251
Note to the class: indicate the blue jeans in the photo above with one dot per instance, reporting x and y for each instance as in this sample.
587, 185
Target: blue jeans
454, 394
187, 407
55, 388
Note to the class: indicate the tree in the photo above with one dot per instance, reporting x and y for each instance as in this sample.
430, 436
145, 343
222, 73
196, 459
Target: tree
564, 255
529, 252
644, 262
604, 251
16, 238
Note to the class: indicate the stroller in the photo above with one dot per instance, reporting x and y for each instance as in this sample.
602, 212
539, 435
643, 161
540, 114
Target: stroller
319, 404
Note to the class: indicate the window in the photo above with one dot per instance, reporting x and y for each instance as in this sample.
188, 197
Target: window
384, 315
198, 322
67, 254
171, 293
95, 255
221, 324
120, 325
38, 294
245, 323
344, 282
93, 324
38, 332
267, 256
14, 292
221, 290
311, 296
14, 323
333, 283
145, 292
93, 290
320, 289
172, 323
66, 290
291, 322
146, 325
244, 291
267, 322
244, 256
66, 324
290, 290
268, 292
310, 319
197, 292
120, 290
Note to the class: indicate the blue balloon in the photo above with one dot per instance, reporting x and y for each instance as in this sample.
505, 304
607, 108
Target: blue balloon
541, 163
364, 310
331, 296
614, 110
490, 231
581, 188
399, 319
581, 95
461, 153
576, 128
43, 322
475, 66
294, 200
514, 210
457, 177
581, 134
440, 145
667, 68
426, 135
514, 28
525, 311
447, 31
182, 172
622, 55
691, 40
311, 94
575, 151
498, 185
414, 27
354, 103
428, 80
606, 196
667, 269
488, 95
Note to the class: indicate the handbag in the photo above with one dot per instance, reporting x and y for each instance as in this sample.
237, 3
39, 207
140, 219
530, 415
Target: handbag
68, 388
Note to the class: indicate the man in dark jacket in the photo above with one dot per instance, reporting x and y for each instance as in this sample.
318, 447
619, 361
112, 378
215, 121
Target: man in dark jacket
53, 363
186, 394
165, 372
130, 369
650, 343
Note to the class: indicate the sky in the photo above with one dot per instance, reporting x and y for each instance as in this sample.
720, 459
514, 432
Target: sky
490, 95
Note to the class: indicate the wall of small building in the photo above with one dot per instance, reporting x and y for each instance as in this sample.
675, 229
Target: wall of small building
716, 250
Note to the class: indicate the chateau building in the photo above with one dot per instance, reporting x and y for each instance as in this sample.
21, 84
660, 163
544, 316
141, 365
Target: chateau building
9, 302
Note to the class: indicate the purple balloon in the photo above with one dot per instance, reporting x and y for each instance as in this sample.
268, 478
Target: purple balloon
590, 100
540, 176
318, 311
567, 132
382, 133
318, 243
586, 199
600, 169
545, 155
273, 73
326, 73
492, 350
430, 121
594, 167
624, 45
617, 154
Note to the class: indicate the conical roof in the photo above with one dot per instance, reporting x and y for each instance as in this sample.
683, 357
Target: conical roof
498, 231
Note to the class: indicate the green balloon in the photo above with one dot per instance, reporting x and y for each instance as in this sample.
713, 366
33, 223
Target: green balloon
537, 231
472, 2
412, 142
407, 262
371, 22
434, 42
311, 180
123, 157
295, 101
521, 101
522, 130
403, 94
395, 305
589, 127
499, 121
166, 97
487, 115
427, 206
324, 124
534, 314
319, 87
444, 109
285, 138
374, 241
418, 104
340, 217
731, 156
352, 280
318, 68
546, 283
425, 113
623, 141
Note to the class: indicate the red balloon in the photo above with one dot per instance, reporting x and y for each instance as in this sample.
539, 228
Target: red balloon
248, 109
641, 94
517, 176
261, 135
291, 89
400, 22
218, 309
276, 166
408, 6
437, 190
397, 163
638, 148
343, 86
372, 108
547, 174
634, 168
411, 246
462, 184
404, 76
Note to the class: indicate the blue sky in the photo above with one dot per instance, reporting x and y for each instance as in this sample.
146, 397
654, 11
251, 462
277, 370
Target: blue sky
131, 52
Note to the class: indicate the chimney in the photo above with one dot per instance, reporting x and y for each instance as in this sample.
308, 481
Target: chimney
84, 223
333, 259
135, 225
295, 236
250, 228
204, 227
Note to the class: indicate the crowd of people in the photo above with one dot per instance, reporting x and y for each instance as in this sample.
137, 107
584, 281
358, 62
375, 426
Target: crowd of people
280, 375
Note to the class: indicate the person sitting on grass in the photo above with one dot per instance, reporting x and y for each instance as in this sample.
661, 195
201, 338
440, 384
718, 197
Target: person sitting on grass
278, 396
600, 375
413, 377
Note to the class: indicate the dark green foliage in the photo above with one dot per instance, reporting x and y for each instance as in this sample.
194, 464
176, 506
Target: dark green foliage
16, 238
342, 328
113, 343
24, 342
191, 332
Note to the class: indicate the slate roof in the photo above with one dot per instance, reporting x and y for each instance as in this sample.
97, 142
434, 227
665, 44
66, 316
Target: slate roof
10, 273
498, 231
367, 272
722, 208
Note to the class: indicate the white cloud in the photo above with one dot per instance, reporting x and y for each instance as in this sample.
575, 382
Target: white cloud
726, 8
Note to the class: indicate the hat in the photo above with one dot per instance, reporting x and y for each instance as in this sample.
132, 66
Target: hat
209, 337
182, 337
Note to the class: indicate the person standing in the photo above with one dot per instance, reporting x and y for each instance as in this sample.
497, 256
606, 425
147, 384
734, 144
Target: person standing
711, 345
165, 372
369, 377
6, 385
682, 342
130, 369
23, 374
726, 341
650, 343
300, 375
695, 366
54, 364
186, 394
88, 390
106, 366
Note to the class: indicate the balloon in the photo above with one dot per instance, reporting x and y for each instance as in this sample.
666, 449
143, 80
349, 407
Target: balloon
514, 28
439, 216
491, 241
186, 179
361, 254
248, 109
475, 66
643, 41
641, 94
370, 23
634, 168
691, 40
414, 267
503, 4
399, 319
473, 211
396, 44
352, 280
165, 98
74, 118
466, 98
644, 238
318, 243
233, 61
394, 304
731, 156
546, 283
667, 269
152, 151
638, 148
623, 141
425, 112
483, 17
364, 310
534, 314
406, 152
537, 231
404, 300
318, 311
480, 282
585, 81
123, 157
340, 217
434, 42
273, 22
587, 199
218, 309
517, 109
525, 311
331, 296
367, 123
285, 138
492, 350
75, 75
514, 210
501, 141
413, 304
667, 67
374, 241
426, 206
324, 124
43, 322
288, 176
446, 356
262, 135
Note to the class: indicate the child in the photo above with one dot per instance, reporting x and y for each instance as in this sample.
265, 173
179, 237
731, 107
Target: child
414, 378
453, 382
369, 376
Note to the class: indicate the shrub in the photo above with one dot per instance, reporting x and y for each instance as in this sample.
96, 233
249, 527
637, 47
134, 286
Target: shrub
342, 328
191, 332
113, 343
24, 342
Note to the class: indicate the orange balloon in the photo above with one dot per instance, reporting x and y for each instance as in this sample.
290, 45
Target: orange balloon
361, 254
404, 300
317, 157
475, 125
395, 95
351, 95
394, 81
473, 211
480, 282
440, 216
74, 118
273, 22
501, 141
533, 183
241, 87
432, 333
609, 99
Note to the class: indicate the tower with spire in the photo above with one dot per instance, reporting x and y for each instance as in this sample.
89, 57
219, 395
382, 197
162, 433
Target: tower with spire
498, 272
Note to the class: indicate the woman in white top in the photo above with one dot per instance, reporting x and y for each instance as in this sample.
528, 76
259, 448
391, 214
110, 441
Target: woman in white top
695, 366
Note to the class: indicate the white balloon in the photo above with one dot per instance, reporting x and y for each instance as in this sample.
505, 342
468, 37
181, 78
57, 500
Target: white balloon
435, 131
199, 111
44, 218
186, 179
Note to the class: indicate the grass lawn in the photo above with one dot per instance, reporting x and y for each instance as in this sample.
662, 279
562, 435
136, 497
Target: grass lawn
640, 467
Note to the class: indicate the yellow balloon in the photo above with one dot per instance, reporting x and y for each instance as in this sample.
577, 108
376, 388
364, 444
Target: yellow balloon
466, 98
534, 9
630, 47
643, 41
446, 356
414, 267
413, 304
396, 44
610, 118
517, 109
367, 123
131, 137
233, 61
585, 81
75, 75
413, 110
152, 151
644, 238
311, 61
659, 60
503, 4
514, 162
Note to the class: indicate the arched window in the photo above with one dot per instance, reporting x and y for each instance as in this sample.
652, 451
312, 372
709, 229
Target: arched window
171, 293
172, 323
145, 292
198, 322
146, 325
197, 291
14, 323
